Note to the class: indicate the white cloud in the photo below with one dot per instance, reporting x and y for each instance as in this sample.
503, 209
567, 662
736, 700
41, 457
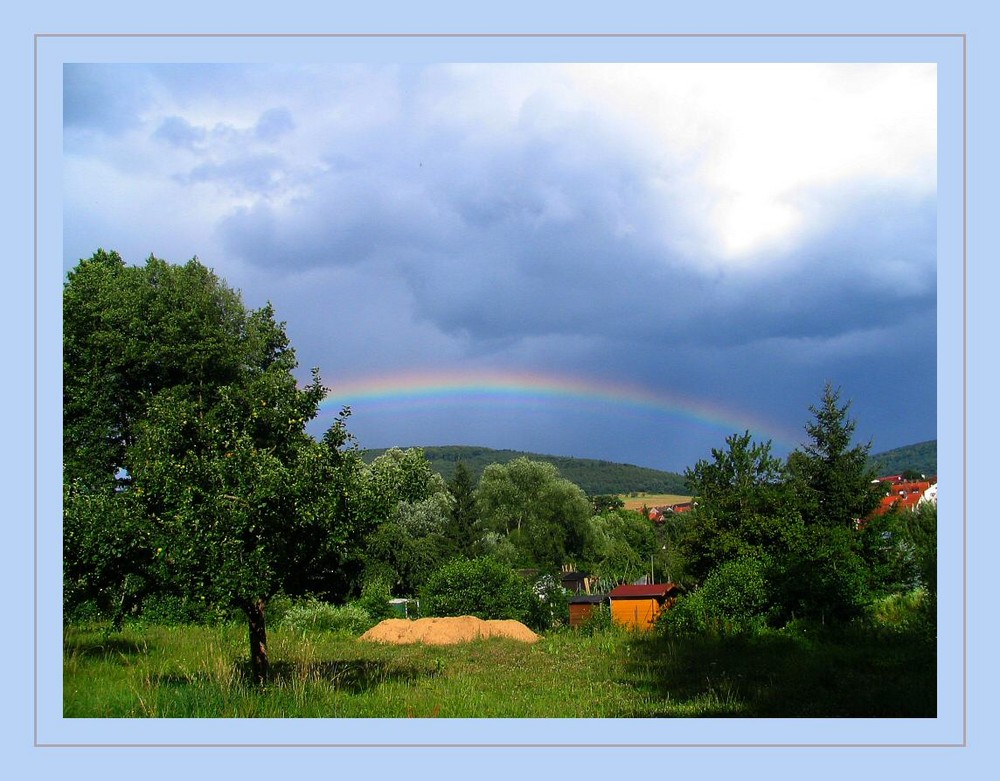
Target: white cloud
751, 137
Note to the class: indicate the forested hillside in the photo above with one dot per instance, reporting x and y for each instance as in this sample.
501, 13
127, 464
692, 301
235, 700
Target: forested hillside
593, 476
598, 477
921, 457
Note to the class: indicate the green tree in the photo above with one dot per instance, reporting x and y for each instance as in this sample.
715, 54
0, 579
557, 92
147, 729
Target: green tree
182, 409
409, 508
743, 508
461, 529
605, 502
831, 475
620, 546
544, 516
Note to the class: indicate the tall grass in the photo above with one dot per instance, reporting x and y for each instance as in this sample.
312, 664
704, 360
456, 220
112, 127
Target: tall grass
197, 671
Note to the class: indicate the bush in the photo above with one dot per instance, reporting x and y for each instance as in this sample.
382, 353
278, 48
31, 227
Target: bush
175, 610
551, 605
735, 599
599, 621
374, 599
317, 616
824, 578
484, 588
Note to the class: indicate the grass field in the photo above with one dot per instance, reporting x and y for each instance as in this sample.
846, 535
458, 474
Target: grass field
652, 500
193, 671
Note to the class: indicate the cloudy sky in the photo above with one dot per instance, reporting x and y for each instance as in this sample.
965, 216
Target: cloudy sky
627, 262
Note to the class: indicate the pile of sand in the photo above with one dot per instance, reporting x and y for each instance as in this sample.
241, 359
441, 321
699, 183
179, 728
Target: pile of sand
446, 631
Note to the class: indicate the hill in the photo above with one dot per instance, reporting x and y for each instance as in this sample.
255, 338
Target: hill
593, 476
597, 477
921, 457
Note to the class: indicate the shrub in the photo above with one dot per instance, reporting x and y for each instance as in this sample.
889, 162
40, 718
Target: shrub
374, 599
175, 610
484, 588
686, 617
823, 578
734, 599
315, 615
550, 608
599, 621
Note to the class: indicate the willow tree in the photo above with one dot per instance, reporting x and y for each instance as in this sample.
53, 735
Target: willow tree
181, 405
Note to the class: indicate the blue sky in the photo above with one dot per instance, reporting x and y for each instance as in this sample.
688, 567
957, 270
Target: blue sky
725, 237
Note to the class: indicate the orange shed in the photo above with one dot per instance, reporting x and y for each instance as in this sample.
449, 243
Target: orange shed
638, 606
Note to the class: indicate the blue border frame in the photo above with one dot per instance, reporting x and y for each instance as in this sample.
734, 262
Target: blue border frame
947, 50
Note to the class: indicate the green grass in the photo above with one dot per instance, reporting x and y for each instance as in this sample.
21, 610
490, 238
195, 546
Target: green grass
191, 672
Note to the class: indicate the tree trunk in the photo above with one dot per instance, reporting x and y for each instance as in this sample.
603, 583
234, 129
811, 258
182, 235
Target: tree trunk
258, 640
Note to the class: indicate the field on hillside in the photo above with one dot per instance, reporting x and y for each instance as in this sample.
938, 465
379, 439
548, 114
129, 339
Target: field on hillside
150, 671
640, 500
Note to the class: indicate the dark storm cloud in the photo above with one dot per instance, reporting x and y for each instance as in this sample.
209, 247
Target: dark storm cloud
493, 218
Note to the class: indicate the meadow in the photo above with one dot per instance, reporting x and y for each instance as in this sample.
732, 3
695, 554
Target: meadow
153, 671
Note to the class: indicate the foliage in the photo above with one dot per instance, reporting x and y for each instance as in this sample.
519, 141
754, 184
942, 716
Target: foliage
734, 599
594, 477
543, 515
832, 478
550, 606
318, 616
374, 600
743, 508
482, 587
606, 502
620, 545
184, 418
107, 551
409, 510
461, 528
181, 609
918, 530
890, 559
823, 578
599, 621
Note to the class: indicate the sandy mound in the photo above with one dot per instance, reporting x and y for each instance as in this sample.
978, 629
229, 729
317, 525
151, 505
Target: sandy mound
446, 631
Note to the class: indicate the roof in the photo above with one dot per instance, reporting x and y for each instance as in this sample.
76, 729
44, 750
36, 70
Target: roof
574, 576
588, 599
628, 591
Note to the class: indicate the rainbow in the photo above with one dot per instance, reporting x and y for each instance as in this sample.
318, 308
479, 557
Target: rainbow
407, 389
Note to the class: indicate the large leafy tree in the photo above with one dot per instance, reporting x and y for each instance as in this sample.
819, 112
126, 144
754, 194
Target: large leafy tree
743, 508
181, 411
408, 507
620, 546
543, 516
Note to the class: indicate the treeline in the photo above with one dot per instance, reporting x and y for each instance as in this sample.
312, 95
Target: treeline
595, 477
189, 480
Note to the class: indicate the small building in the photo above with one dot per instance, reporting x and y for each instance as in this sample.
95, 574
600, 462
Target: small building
638, 606
575, 582
582, 607
404, 608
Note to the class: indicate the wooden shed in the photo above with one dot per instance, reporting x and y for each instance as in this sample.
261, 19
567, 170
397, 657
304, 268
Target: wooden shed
575, 582
638, 606
582, 607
